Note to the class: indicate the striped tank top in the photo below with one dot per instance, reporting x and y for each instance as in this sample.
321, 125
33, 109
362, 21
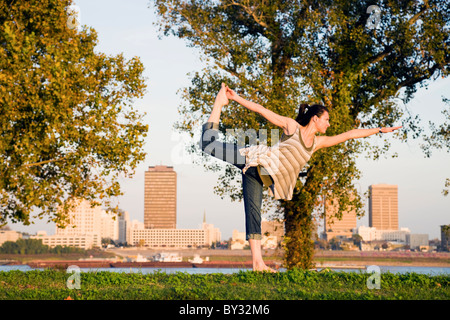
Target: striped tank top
279, 165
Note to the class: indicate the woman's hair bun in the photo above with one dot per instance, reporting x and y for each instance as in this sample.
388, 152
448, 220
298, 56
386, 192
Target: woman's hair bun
304, 107
306, 112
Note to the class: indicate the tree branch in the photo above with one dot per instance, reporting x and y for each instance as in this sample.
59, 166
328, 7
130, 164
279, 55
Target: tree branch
29, 165
389, 49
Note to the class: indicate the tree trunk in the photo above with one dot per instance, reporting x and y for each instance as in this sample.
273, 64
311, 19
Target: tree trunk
299, 246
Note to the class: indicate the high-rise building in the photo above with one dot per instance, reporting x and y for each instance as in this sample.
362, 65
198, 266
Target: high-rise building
124, 224
334, 227
212, 234
160, 198
445, 237
86, 228
9, 235
383, 206
84, 220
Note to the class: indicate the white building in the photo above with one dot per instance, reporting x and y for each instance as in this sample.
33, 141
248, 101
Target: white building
109, 224
415, 241
212, 234
167, 238
79, 241
86, 228
9, 235
133, 225
84, 220
372, 234
238, 240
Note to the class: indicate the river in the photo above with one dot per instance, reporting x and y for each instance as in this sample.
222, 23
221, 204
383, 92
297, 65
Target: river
383, 269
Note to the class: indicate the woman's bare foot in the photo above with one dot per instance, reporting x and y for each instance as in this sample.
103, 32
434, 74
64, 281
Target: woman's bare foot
220, 101
257, 259
261, 266
221, 98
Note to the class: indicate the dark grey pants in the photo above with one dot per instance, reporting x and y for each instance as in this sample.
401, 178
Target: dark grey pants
252, 185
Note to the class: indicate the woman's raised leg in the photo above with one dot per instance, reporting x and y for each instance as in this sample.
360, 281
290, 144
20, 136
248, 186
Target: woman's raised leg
209, 141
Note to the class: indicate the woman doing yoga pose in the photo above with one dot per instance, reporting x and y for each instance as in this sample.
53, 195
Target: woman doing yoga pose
276, 167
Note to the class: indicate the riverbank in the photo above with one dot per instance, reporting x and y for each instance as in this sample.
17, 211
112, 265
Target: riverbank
388, 258
117, 258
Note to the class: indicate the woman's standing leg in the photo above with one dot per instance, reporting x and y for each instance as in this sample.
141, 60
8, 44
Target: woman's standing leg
252, 187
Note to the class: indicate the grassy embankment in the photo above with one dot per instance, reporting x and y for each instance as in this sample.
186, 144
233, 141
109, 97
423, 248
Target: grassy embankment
289, 285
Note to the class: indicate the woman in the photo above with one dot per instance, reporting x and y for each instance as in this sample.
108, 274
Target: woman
278, 166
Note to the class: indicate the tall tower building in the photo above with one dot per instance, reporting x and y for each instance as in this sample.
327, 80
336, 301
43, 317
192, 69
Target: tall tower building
124, 225
160, 198
383, 206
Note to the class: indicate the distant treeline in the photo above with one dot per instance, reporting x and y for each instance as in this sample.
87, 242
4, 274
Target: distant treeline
35, 246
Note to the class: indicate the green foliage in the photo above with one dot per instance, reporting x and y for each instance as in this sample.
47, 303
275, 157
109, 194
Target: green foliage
295, 284
440, 139
282, 53
68, 127
34, 246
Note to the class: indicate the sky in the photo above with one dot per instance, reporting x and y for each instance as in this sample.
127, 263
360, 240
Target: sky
128, 27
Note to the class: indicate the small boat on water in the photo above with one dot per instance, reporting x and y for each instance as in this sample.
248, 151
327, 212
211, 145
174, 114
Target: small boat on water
197, 259
167, 257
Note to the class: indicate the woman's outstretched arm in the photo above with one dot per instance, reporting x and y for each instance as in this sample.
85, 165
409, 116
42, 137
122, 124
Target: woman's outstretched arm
287, 124
325, 141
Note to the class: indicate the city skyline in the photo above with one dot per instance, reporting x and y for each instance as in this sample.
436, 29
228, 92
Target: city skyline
128, 28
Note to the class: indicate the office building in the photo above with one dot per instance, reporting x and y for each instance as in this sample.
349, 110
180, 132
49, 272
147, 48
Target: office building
238, 240
212, 234
84, 220
273, 228
168, 238
160, 198
86, 228
80, 241
383, 207
109, 224
272, 233
416, 241
373, 234
124, 224
445, 237
9, 235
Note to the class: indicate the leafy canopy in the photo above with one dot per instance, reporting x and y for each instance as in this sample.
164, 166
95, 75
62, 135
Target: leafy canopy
282, 53
67, 123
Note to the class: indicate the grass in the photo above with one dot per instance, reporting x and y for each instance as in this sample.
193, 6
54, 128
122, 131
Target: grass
244, 285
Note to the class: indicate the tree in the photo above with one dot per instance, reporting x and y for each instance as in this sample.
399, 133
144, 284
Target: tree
335, 244
357, 239
67, 123
439, 138
282, 53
